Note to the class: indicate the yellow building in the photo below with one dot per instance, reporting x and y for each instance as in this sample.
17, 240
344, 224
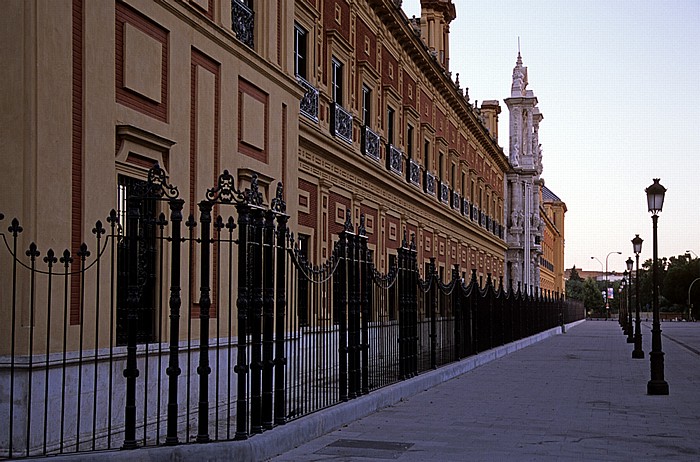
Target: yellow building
552, 212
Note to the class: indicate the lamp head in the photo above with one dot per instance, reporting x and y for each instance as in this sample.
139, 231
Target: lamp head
655, 197
637, 244
629, 264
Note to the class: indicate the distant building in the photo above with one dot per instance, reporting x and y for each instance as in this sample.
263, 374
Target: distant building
552, 211
525, 226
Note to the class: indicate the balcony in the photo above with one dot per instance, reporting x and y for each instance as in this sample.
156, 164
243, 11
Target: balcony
444, 193
370, 143
466, 208
475, 213
456, 201
413, 174
394, 159
308, 106
242, 22
341, 123
482, 219
429, 183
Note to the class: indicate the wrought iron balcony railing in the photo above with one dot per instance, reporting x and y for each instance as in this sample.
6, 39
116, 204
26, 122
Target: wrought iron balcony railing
466, 208
475, 213
308, 106
413, 174
370, 143
341, 122
394, 159
429, 183
482, 219
444, 193
456, 200
242, 22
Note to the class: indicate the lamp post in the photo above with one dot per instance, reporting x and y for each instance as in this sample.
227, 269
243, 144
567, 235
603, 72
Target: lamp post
630, 327
690, 251
637, 353
623, 308
690, 305
657, 385
605, 297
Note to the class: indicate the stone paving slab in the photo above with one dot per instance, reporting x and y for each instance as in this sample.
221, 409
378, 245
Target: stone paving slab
578, 396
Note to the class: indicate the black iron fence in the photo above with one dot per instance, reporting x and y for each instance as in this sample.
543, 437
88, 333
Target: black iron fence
97, 351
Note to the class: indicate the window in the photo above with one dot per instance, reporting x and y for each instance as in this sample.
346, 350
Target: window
300, 36
409, 141
390, 125
441, 166
366, 106
426, 155
452, 175
337, 82
144, 267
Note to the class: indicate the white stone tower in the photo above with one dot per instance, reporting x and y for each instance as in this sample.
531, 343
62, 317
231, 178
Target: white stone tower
524, 225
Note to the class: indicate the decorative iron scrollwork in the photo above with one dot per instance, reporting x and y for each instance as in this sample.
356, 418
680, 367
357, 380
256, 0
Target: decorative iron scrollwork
370, 143
361, 230
225, 190
278, 205
413, 173
394, 159
252, 195
243, 22
308, 106
158, 185
348, 222
341, 123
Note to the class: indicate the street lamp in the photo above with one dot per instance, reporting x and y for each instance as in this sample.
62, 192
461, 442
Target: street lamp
657, 385
630, 327
637, 353
623, 308
690, 305
605, 296
690, 251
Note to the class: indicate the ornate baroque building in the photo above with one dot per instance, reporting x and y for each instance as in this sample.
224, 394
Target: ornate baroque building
525, 227
350, 104
535, 231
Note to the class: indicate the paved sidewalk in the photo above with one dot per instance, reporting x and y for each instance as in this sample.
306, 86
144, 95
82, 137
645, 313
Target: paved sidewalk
578, 396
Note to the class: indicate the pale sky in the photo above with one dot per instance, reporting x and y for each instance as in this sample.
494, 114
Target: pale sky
618, 83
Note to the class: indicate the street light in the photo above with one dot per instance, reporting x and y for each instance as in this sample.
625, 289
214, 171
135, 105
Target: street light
623, 308
605, 297
637, 353
630, 327
690, 251
657, 385
690, 305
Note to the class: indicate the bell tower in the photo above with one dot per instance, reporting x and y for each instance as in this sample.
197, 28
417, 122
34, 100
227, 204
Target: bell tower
525, 227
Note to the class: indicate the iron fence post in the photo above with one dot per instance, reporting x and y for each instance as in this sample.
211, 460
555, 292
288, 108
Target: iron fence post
173, 370
340, 301
242, 305
203, 369
268, 268
131, 371
456, 312
433, 308
256, 307
281, 308
364, 311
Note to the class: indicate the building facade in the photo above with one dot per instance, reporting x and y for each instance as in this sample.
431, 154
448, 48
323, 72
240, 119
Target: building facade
525, 226
552, 213
351, 105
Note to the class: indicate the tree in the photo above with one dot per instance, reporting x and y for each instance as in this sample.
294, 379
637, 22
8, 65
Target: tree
574, 285
681, 272
592, 296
